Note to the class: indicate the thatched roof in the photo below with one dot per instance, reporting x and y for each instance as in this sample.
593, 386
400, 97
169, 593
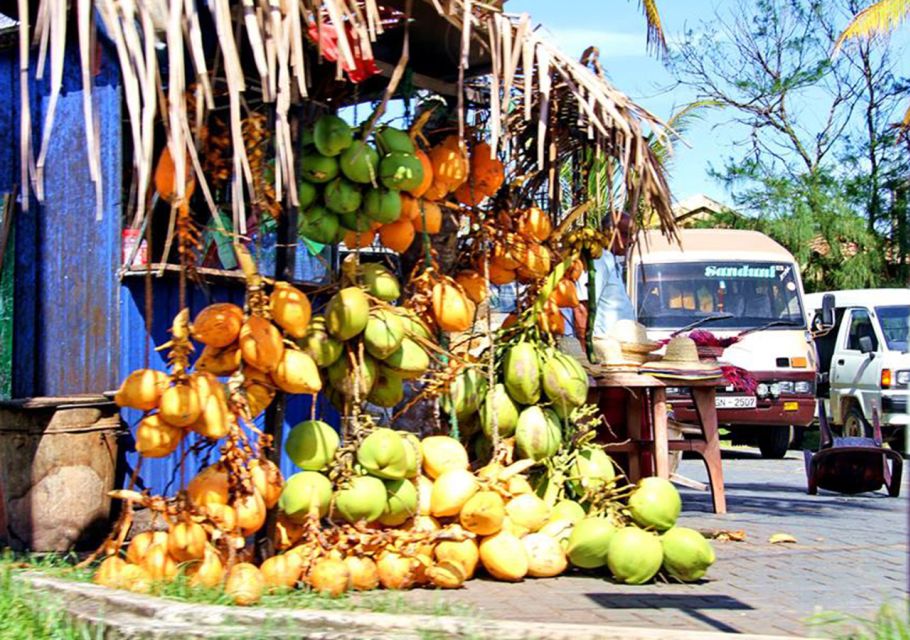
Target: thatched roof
544, 104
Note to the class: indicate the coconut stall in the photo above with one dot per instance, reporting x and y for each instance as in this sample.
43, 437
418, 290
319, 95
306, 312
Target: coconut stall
370, 176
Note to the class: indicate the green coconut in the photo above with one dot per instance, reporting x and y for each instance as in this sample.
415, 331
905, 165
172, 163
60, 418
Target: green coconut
591, 470
521, 373
590, 542
347, 313
383, 334
341, 376
318, 224
409, 360
537, 433
382, 205
381, 283
355, 221
414, 326
401, 502
388, 389
317, 168
363, 499
305, 490
360, 163
383, 454
687, 554
332, 135
311, 445
567, 510
401, 171
655, 504
323, 348
565, 381
389, 139
465, 394
634, 556
412, 447
342, 196
306, 194
499, 406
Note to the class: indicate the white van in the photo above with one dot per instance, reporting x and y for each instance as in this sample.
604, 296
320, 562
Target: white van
734, 283
864, 352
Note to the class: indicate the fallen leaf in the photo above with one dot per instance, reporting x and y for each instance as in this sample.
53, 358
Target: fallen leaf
780, 538
725, 535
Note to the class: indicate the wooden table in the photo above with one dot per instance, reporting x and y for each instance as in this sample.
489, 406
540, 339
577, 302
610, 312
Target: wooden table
646, 425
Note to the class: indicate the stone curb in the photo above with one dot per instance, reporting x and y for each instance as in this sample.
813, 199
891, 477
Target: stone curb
127, 615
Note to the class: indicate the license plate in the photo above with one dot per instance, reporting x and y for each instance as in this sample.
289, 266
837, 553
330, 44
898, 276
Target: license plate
791, 406
735, 402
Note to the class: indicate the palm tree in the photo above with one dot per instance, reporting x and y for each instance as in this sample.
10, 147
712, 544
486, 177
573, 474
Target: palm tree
878, 18
656, 39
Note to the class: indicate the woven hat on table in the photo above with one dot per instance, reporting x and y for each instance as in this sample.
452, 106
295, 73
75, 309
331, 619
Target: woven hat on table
610, 354
681, 360
632, 337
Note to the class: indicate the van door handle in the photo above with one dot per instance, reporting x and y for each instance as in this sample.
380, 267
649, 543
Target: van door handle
840, 362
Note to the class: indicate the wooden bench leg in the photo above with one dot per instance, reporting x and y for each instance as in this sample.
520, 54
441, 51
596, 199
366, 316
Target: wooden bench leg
707, 416
661, 452
633, 430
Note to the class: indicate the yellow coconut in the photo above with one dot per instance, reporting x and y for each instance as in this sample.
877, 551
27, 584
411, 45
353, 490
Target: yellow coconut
297, 373
504, 557
155, 438
244, 584
559, 530
138, 546
329, 576
251, 513
261, 344
446, 575
267, 480
179, 405
136, 579
222, 515
516, 530
518, 485
462, 552
142, 389
290, 309
441, 454
396, 571
204, 383
218, 325
363, 571
287, 532
258, 397
528, 511
209, 486
110, 572
450, 492
424, 494
159, 563
208, 572
546, 557
483, 513
219, 361
282, 572
186, 541
216, 418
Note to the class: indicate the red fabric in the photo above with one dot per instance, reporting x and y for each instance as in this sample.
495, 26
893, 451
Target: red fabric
327, 38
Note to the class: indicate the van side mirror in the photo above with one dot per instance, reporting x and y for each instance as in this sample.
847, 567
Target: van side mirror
828, 310
865, 344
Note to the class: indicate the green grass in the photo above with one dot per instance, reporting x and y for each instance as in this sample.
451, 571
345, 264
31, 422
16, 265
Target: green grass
891, 622
20, 619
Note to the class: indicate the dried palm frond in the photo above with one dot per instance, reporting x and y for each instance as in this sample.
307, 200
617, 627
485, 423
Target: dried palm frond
878, 18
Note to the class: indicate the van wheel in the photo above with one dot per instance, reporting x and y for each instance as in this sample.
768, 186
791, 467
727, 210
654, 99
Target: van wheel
855, 424
773, 442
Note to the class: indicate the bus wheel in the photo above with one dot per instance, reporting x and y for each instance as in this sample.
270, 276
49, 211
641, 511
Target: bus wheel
773, 442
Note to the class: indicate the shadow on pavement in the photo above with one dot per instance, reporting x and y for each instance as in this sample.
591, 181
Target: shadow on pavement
692, 605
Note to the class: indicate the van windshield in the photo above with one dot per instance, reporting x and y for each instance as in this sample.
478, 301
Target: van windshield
675, 294
895, 324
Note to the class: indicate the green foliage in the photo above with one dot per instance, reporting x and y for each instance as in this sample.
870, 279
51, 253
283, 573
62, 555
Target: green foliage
889, 623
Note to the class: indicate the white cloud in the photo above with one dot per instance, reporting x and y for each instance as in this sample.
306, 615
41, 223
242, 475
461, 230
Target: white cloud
612, 44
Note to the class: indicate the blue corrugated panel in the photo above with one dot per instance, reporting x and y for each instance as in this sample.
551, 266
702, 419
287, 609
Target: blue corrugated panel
66, 289
162, 476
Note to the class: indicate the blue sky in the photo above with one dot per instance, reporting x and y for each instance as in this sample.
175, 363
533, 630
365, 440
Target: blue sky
617, 28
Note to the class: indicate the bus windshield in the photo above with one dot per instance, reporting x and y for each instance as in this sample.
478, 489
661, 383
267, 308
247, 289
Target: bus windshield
895, 324
674, 295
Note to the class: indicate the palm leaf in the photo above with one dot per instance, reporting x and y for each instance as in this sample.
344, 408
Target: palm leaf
878, 18
656, 39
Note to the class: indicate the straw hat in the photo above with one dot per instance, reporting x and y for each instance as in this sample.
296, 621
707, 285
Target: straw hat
632, 337
682, 355
609, 353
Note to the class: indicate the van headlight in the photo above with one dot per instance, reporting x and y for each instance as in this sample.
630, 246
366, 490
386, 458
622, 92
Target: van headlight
786, 386
774, 388
762, 390
903, 378
804, 386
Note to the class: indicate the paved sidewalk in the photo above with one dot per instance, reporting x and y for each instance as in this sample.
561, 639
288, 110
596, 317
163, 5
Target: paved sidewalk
851, 556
